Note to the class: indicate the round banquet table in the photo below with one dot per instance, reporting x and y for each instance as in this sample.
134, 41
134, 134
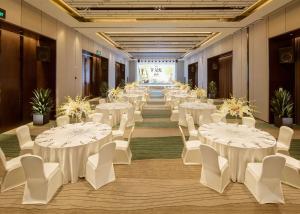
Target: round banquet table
116, 110
71, 145
195, 109
239, 144
183, 97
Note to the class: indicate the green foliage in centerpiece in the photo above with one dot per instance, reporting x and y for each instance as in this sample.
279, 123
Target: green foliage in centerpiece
212, 89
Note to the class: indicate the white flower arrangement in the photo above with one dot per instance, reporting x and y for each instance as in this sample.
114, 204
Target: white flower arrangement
77, 108
237, 107
200, 92
129, 86
114, 93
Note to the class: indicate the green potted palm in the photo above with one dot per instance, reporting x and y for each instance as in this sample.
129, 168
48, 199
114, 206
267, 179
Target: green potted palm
282, 108
212, 90
103, 89
42, 105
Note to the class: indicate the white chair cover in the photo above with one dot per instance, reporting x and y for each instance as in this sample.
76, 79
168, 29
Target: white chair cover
42, 180
191, 151
62, 120
291, 171
123, 153
118, 134
102, 100
14, 174
215, 171
96, 117
99, 167
284, 139
248, 121
24, 138
218, 117
191, 127
263, 179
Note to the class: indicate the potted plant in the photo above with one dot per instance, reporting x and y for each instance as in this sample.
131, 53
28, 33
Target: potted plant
42, 105
282, 107
103, 89
212, 90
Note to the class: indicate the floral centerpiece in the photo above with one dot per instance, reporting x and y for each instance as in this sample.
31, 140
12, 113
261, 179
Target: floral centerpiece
184, 87
114, 93
200, 92
237, 107
129, 86
77, 108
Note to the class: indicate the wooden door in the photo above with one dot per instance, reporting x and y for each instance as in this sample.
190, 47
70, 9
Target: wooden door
86, 74
193, 74
119, 73
10, 80
225, 76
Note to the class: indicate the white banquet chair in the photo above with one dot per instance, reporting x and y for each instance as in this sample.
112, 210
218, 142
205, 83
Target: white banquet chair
215, 172
102, 100
284, 139
42, 180
248, 121
14, 174
174, 111
138, 111
193, 132
96, 117
99, 167
118, 134
217, 117
24, 138
191, 150
263, 179
123, 153
210, 101
62, 120
291, 171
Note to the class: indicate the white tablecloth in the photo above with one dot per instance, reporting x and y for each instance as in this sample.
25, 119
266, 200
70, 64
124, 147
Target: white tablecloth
239, 144
116, 110
136, 91
71, 145
195, 109
132, 98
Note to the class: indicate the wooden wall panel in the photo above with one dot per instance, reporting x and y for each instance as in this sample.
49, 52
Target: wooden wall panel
10, 85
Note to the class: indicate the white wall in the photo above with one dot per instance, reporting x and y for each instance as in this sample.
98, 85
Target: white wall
284, 20
69, 45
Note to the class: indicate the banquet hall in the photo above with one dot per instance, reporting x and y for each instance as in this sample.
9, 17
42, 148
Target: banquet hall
131, 106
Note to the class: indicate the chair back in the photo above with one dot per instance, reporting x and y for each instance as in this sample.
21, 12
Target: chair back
217, 117
272, 167
248, 121
210, 101
130, 135
106, 153
200, 120
33, 167
23, 134
3, 158
210, 159
96, 117
190, 122
123, 123
182, 135
285, 135
62, 120
102, 100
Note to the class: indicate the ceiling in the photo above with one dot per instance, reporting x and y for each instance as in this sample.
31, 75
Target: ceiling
92, 10
157, 28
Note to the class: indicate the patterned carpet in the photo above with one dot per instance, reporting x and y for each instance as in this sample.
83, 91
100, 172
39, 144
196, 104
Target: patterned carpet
156, 181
